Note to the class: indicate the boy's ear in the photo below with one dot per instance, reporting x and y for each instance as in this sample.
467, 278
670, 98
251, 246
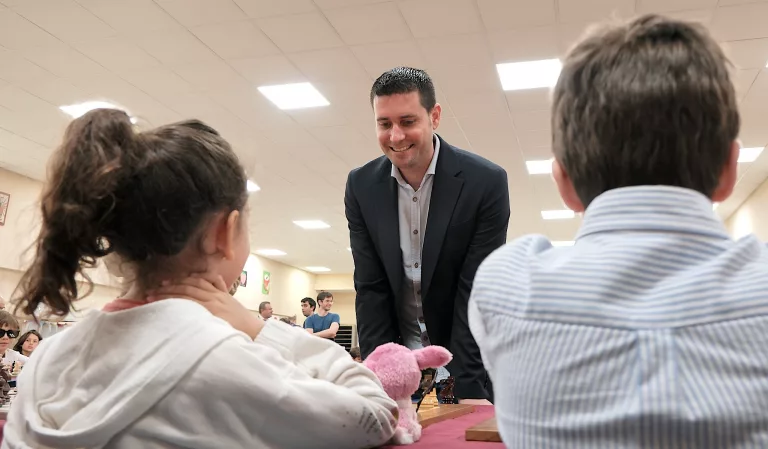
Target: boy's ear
565, 187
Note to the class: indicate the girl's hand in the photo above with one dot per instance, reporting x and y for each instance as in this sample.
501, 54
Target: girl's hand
212, 293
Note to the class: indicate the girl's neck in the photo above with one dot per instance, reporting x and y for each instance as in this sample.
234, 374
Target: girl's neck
25, 353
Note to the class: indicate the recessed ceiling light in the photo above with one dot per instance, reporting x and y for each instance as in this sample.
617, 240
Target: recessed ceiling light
539, 167
562, 242
749, 154
317, 269
294, 96
529, 74
714, 206
557, 214
349, 249
270, 252
80, 109
252, 186
312, 224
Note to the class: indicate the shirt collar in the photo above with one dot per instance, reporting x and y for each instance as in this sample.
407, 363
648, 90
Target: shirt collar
652, 208
395, 173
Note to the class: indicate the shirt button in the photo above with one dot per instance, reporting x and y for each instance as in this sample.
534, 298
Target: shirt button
415, 231
416, 265
415, 199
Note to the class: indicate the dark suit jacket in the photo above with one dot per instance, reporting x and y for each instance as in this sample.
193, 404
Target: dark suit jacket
468, 218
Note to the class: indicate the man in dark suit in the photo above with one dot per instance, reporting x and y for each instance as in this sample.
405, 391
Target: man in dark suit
421, 220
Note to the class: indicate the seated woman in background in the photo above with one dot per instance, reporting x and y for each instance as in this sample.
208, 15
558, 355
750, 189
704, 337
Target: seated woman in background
28, 342
179, 362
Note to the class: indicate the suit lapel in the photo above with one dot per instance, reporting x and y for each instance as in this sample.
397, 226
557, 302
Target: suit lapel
385, 201
445, 193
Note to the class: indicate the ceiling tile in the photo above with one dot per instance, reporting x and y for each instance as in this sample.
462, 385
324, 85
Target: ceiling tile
56, 91
65, 19
338, 64
329, 4
267, 8
368, 24
159, 82
318, 117
241, 39
532, 120
378, 58
737, 2
511, 14
300, 32
734, 23
17, 33
14, 68
528, 100
193, 13
268, 70
132, 16
176, 48
663, 6
210, 76
490, 133
432, 18
117, 54
702, 16
251, 107
592, 10
534, 138
450, 52
63, 61
524, 45
482, 77
747, 54
743, 80
477, 101
17, 100
451, 131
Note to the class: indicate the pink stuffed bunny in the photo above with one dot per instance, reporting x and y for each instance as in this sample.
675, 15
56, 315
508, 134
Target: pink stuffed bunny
399, 370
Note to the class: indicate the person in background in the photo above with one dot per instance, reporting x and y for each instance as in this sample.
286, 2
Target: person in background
9, 330
308, 306
28, 342
323, 324
291, 320
421, 219
170, 201
355, 354
265, 310
651, 331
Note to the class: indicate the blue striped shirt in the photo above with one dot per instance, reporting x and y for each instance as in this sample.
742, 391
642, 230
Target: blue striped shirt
651, 331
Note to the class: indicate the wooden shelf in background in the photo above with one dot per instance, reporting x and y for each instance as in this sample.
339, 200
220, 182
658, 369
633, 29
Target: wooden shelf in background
443, 412
487, 430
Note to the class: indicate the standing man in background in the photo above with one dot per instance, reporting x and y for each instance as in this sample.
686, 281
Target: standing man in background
421, 220
323, 323
308, 307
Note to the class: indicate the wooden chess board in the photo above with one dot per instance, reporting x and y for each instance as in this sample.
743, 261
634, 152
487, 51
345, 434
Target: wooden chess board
487, 430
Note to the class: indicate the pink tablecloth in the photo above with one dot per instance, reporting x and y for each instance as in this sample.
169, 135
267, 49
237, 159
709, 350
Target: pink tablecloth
449, 434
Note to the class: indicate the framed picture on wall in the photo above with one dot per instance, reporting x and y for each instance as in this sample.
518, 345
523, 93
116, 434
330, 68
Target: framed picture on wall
5, 199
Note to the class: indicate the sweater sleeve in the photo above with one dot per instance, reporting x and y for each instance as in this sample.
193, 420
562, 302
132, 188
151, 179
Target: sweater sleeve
289, 389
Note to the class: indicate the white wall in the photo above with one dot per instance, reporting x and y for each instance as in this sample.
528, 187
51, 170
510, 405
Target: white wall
751, 216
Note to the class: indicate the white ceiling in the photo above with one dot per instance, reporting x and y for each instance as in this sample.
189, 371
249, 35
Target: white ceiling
165, 60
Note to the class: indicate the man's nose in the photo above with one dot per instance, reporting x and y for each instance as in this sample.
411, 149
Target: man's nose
396, 134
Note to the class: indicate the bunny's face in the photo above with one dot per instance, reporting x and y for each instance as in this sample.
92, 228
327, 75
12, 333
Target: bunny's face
399, 369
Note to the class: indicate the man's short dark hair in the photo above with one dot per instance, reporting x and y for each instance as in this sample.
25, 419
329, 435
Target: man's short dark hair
322, 295
263, 305
309, 301
403, 80
650, 102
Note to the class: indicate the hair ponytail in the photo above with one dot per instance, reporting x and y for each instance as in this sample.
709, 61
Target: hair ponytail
99, 152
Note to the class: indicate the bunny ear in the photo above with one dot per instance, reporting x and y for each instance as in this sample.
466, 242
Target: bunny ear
432, 357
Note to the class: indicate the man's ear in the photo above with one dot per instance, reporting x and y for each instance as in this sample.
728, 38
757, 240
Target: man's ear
565, 187
434, 116
729, 176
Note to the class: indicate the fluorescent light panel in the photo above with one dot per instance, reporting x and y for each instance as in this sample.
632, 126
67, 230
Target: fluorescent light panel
749, 154
539, 167
80, 109
270, 252
317, 269
312, 224
294, 96
529, 74
252, 186
563, 243
562, 214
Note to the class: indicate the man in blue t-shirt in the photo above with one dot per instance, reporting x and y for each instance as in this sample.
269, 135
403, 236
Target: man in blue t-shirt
323, 323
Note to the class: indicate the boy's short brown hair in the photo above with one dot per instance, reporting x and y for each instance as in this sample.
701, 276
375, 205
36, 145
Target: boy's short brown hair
650, 102
6, 319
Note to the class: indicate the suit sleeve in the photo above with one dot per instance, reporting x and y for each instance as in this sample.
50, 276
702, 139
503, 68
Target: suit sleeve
374, 301
490, 234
